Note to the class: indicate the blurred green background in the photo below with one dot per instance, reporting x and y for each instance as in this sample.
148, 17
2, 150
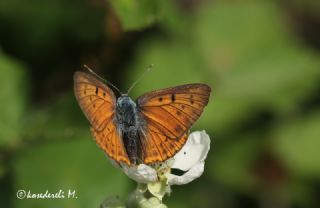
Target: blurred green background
261, 59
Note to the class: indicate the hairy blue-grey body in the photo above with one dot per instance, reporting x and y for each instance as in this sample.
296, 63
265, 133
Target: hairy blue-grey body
129, 125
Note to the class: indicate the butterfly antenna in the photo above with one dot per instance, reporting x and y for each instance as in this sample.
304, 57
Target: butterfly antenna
138, 80
106, 81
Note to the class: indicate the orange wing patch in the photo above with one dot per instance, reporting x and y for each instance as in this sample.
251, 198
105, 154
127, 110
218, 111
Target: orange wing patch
111, 143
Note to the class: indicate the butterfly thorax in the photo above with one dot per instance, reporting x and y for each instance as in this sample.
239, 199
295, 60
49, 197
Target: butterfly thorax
126, 113
128, 125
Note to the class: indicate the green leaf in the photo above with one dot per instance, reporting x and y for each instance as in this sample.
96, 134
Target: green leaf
13, 100
60, 118
136, 14
231, 165
297, 144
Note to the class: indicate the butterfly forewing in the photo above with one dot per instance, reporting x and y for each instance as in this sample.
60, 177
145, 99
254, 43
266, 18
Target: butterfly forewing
169, 114
97, 101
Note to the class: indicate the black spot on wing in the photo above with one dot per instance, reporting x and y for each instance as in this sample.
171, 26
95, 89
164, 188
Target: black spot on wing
173, 97
178, 128
191, 99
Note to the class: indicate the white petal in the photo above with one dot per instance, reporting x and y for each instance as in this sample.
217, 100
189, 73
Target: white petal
193, 152
195, 172
141, 173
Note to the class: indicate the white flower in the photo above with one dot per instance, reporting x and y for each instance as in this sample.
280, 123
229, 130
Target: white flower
141, 173
189, 159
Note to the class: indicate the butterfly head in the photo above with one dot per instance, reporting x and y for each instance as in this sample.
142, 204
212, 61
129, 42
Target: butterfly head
126, 110
124, 101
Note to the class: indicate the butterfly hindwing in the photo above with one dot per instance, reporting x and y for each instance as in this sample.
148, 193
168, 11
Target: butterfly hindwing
169, 114
98, 103
157, 147
111, 143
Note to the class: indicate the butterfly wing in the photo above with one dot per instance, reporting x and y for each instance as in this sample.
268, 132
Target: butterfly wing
169, 114
111, 143
97, 102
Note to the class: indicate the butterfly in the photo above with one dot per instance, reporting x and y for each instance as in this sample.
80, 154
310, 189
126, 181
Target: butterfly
149, 130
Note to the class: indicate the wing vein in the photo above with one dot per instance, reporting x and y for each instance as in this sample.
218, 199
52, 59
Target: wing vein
174, 117
159, 124
157, 147
171, 103
184, 112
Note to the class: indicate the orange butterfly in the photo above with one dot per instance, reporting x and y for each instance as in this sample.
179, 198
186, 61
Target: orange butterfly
150, 130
